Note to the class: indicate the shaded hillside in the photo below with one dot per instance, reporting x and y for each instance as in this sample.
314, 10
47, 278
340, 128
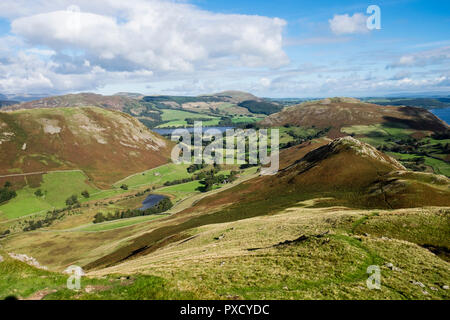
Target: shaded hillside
337, 113
106, 145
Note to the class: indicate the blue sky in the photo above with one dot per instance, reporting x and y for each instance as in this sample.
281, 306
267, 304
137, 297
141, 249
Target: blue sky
281, 48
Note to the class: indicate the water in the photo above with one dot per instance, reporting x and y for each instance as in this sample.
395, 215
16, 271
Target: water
167, 131
443, 114
151, 200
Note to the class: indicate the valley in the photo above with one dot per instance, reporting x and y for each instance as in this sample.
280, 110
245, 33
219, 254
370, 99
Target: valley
358, 184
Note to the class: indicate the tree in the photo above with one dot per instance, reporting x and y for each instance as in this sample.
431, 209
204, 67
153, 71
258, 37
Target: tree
8, 184
99, 218
7, 194
72, 200
38, 193
124, 187
85, 194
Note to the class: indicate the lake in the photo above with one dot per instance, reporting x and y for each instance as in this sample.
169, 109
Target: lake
151, 200
167, 131
443, 114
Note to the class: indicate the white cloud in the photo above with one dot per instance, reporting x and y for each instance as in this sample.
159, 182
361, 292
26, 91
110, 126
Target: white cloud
345, 24
265, 82
145, 38
160, 35
437, 56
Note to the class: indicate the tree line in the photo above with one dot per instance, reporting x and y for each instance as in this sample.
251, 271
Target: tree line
6, 193
162, 206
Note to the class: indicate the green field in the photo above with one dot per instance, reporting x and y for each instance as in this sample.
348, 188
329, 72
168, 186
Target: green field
245, 119
378, 132
157, 176
177, 118
110, 225
439, 166
56, 186
285, 137
181, 191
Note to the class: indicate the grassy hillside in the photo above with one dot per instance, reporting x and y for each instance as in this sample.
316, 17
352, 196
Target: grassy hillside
116, 102
56, 188
400, 131
337, 113
299, 253
327, 173
106, 145
260, 258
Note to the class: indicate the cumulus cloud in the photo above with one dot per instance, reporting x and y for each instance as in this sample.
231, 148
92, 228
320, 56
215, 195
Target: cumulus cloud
345, 24
150, 38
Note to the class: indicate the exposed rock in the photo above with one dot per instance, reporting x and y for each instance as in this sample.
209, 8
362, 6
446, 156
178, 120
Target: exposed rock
392, 267
28, 260
418, 283
445, 287
220, 237
1, 259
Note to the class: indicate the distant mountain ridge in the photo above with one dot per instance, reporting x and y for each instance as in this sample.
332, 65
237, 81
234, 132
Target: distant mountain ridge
150, 109
337, 113
76, 100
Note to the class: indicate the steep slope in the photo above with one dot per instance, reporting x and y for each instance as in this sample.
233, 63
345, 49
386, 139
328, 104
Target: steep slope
347, 171
106, 145
336, 113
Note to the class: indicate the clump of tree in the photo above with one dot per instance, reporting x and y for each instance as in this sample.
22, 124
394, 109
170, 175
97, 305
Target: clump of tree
191, 121
299, 138
226, 122
162, 206
195, 167
258, 107
72, 200
180, 181
124, 187
85, 194
6, 193
212, 179
48, 220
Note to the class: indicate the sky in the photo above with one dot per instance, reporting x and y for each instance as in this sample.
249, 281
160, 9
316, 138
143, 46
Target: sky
283, 48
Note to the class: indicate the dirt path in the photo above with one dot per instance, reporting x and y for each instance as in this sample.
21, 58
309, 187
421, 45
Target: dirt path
40, 172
